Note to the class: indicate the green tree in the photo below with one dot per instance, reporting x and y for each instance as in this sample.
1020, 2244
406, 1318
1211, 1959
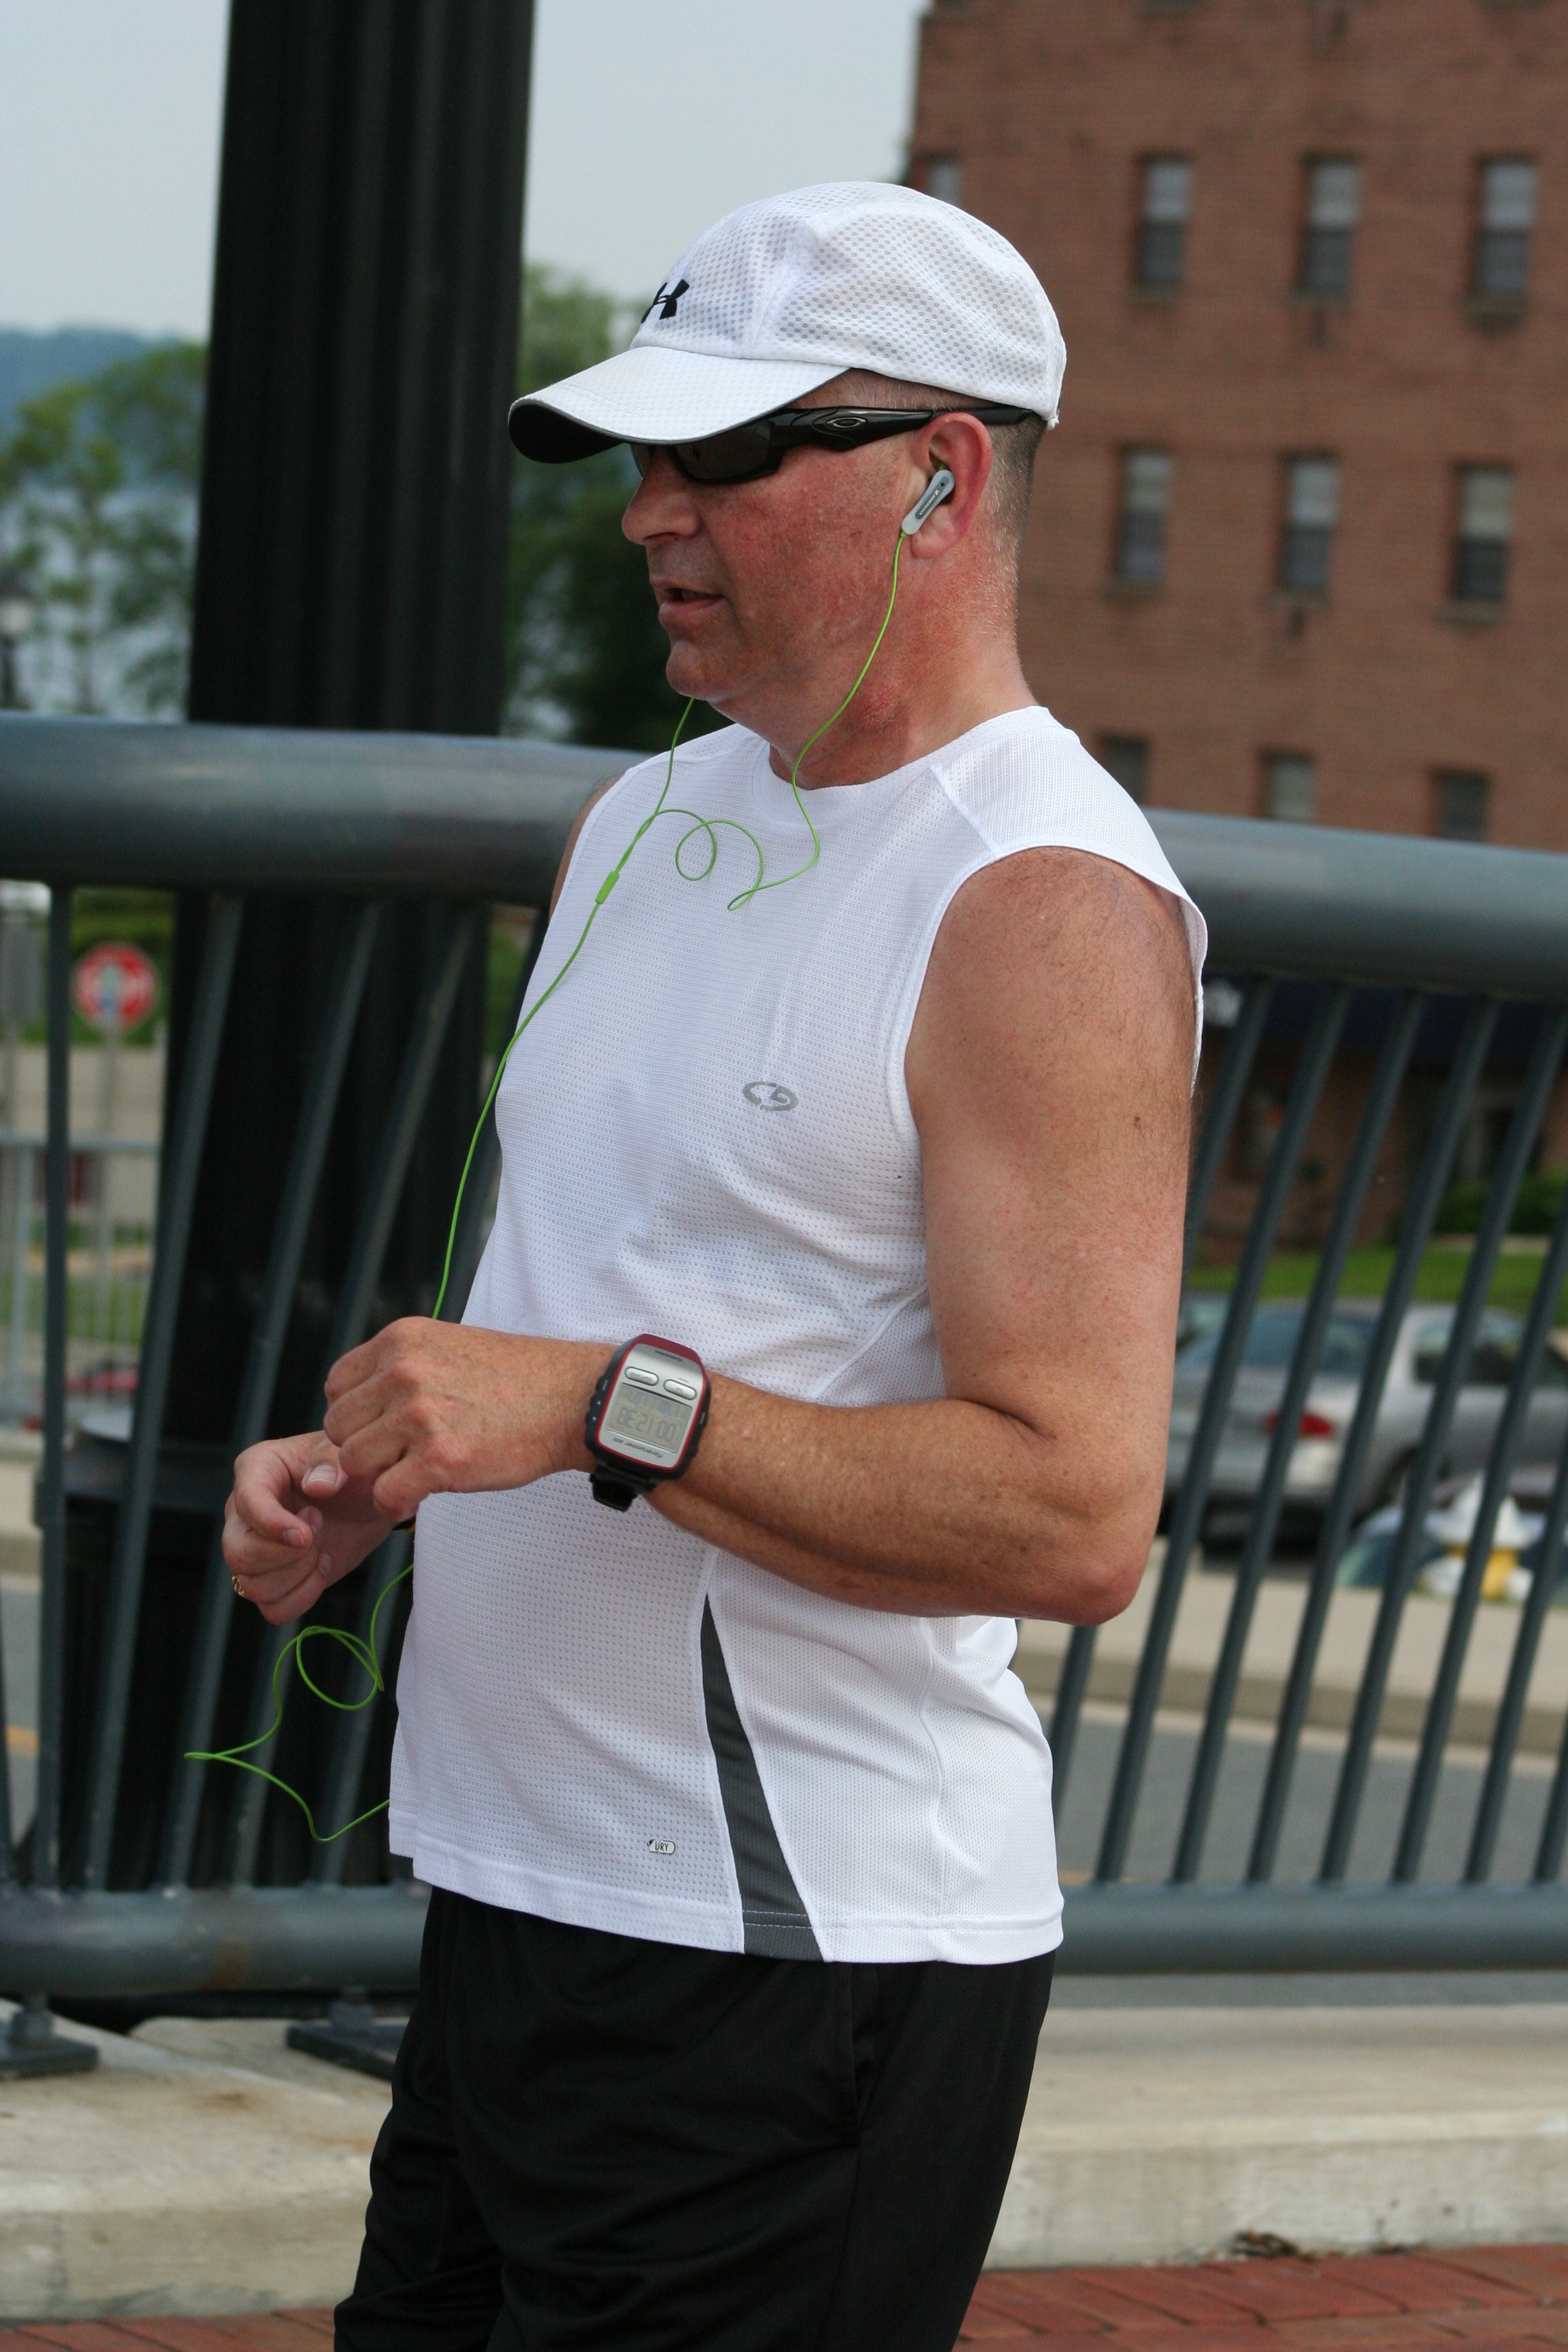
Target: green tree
587, 652
98, 488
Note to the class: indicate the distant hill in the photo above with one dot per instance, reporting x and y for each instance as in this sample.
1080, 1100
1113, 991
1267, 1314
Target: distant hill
30, 363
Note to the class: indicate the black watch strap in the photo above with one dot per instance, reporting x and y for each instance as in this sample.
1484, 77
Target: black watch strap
618, 1488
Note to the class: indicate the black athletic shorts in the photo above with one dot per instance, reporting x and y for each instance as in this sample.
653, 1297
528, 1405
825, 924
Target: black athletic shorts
613, 2145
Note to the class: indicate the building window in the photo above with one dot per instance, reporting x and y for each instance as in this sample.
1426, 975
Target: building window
1311, 514
1485, 528
944, 179
1126, 757
1328, 230
1505, 222
1145, 503
1462, 798
1290, 788
1166, 203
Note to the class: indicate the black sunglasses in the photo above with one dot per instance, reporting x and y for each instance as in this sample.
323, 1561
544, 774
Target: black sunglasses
746, 452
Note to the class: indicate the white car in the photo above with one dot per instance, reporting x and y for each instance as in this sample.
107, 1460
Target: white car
1330, 1403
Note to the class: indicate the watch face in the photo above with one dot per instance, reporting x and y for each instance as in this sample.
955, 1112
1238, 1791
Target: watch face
647, 1415
643, 1423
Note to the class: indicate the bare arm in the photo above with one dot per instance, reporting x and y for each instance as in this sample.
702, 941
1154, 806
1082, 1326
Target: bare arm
1048, 1074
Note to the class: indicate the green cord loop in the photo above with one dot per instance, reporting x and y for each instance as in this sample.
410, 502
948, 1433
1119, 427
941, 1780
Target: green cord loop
363, 1651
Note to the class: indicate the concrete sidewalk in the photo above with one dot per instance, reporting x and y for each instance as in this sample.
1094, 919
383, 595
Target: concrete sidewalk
1158, 2135
199, 2168
205, 2168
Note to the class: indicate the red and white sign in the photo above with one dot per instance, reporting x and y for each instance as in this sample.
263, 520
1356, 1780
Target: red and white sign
115, 987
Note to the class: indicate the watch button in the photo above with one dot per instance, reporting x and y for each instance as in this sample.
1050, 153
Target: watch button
679, 1388
639, 1379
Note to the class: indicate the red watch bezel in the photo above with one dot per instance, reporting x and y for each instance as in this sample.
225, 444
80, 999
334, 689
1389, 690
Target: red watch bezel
629, 1464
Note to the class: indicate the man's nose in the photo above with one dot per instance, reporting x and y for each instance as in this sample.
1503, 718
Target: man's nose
662, 506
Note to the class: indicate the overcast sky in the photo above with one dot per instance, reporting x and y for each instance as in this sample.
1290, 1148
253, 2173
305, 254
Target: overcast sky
650, 118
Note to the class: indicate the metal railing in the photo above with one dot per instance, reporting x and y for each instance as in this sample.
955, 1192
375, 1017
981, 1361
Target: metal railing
1438, 953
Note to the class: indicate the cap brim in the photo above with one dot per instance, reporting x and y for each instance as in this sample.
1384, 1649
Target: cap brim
655, 395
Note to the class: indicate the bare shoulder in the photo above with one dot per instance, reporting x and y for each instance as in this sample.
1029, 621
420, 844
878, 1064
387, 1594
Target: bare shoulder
578, 821
1047, 961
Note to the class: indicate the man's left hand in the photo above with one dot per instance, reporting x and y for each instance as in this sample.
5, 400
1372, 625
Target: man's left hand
442, 1408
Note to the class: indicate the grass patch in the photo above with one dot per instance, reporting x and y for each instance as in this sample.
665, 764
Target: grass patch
1290, 1276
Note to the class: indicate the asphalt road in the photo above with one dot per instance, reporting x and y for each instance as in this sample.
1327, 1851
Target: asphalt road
1240, 1789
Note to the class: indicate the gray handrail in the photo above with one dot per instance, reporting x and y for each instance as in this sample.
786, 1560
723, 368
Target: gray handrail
107, 801
97, 801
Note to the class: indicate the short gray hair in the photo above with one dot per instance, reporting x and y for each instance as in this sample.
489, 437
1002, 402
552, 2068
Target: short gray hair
1013, 445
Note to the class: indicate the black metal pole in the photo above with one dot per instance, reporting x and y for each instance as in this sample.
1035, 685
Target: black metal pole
351, 572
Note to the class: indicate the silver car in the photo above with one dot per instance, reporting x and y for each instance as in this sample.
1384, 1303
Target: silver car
1330, 1404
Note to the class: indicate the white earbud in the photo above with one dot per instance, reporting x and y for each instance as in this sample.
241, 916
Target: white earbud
941, 485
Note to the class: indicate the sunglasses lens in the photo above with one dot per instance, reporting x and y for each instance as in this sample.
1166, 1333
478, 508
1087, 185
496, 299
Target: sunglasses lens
737, 456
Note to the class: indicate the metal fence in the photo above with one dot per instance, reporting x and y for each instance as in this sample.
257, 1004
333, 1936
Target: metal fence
1440, 955
110, 1229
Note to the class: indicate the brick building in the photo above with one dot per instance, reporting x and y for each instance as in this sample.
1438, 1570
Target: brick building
1300, 544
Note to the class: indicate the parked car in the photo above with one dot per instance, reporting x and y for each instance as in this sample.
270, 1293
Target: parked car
1330, 1403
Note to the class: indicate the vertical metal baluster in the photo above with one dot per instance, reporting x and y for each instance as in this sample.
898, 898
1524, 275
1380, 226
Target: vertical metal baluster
1359, 1172
1191, 1499
23, 1176
456, 940
352, 1744
295, 1203
1265, 1515
52, 1483
455, 944
486, 1157
1066, 1711
1532, 1616
1554, 1827
1369, 1700
1234, 1071
188, 1137
1523, 1128
1241, 1052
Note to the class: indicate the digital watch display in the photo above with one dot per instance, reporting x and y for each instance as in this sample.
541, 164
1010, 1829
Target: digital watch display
645, 1421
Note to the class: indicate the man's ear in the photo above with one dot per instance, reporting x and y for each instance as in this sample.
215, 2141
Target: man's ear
962, 444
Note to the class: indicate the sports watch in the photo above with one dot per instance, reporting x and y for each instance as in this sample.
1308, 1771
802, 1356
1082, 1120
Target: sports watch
646, 1418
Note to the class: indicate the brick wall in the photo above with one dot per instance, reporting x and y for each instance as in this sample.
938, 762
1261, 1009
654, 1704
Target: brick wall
1047, 106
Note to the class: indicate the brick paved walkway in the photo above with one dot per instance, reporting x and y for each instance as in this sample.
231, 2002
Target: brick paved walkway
1513, 2297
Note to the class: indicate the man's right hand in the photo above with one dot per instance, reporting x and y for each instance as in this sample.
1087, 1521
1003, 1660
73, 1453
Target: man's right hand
296, 1523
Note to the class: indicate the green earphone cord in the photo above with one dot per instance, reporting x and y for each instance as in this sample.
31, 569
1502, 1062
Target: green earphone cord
363, 1648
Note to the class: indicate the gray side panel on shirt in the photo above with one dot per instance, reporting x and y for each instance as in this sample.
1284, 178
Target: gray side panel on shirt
777, 1927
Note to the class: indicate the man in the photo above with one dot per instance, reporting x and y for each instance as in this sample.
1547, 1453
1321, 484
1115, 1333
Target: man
868, 1103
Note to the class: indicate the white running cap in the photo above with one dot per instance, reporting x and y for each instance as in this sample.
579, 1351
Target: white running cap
785, 295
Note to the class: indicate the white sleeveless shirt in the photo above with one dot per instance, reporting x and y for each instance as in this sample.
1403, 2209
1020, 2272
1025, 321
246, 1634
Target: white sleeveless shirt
706, 1134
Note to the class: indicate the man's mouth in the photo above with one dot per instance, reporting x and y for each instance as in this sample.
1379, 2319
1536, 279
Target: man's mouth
678, 603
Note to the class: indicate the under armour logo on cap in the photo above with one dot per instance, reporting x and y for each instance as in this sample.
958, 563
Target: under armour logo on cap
667, 300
